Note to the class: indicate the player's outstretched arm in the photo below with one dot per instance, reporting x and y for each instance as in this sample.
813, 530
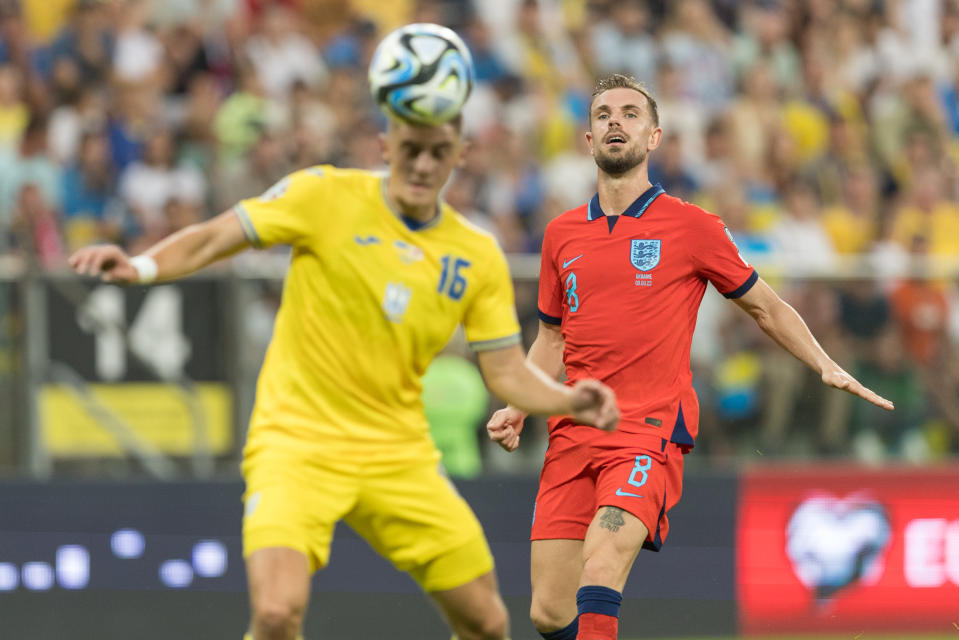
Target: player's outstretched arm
784, 325
525, 387
177, 255
546, 353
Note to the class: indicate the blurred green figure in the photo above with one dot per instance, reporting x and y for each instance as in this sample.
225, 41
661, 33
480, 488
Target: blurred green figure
455, 400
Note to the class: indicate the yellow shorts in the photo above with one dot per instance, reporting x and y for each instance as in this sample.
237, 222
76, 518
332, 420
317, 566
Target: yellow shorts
411, 515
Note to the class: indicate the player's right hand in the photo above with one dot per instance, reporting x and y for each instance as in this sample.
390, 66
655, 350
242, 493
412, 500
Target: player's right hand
505, 426
594, 403
107, 261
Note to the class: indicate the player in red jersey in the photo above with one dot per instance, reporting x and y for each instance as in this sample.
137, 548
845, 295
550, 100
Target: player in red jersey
621, 281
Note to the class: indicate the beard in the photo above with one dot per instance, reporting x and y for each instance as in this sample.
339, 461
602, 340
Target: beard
619, 164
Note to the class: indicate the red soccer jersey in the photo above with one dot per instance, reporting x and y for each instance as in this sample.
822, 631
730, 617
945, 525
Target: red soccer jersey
626, 291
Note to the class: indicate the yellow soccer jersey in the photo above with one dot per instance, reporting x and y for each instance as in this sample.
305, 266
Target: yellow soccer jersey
367, 304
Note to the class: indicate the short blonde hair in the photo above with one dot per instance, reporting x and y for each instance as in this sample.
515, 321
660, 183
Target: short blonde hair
622, 81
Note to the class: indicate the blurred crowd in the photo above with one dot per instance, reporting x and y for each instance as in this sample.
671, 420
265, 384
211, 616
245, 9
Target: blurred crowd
824, 132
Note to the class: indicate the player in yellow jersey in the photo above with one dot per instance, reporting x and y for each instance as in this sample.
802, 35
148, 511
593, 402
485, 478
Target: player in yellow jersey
381, 275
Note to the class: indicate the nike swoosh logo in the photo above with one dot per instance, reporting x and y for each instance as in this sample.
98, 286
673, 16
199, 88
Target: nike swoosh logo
620, 492
569, 262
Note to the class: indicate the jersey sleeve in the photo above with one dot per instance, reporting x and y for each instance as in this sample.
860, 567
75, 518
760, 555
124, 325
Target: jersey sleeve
550, 297
287, 212
717, 258
490, 320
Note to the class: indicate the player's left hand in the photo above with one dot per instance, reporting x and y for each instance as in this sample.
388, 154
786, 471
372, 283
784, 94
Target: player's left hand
594, 403
836, 377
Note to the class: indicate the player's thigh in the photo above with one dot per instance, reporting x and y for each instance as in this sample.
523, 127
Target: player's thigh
555, 569
634, 491
279, 581
612, 542
416, 519
294, 504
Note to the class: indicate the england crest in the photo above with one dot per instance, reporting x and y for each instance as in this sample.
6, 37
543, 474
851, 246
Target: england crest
644, 254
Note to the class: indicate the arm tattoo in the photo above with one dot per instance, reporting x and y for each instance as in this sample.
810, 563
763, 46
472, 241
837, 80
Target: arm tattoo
612, 519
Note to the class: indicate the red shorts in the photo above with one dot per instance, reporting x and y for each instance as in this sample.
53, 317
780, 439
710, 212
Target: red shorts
641, 475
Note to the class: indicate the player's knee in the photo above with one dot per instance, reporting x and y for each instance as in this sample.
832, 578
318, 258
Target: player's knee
493, 624
607, 570
546, 615
276, 618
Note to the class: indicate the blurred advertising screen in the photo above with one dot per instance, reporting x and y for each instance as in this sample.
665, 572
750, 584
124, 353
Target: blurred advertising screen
827, 548
154, 359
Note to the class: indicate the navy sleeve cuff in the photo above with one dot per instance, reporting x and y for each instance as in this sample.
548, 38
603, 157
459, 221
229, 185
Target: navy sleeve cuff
548, 319
744, 287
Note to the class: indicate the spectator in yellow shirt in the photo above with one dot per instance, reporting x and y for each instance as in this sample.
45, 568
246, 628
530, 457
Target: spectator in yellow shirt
929, 213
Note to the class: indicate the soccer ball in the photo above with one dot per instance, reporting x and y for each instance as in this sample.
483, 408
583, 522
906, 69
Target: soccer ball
421, 73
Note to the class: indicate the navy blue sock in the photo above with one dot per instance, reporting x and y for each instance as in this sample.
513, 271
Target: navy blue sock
566, 633
598, 613
601, 600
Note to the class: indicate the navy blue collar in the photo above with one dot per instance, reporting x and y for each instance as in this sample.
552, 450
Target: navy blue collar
415, 225
636, 209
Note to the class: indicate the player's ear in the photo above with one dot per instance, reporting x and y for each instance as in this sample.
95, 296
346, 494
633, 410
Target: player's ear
655, 137
384, 147
589, 142
465, 147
